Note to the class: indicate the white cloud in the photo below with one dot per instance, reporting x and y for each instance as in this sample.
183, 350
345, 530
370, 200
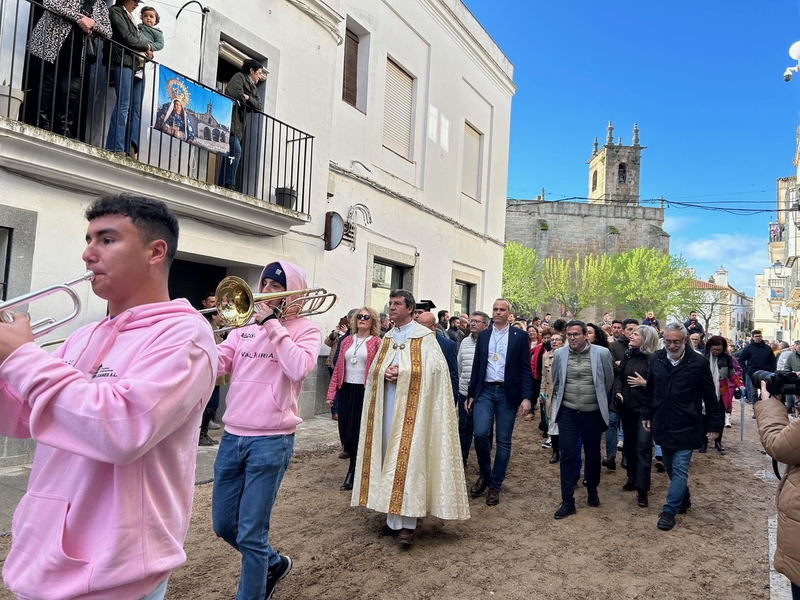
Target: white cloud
743, 256
674, 225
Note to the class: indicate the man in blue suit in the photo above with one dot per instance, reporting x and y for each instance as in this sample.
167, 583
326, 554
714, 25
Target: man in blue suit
500, 387
448, 347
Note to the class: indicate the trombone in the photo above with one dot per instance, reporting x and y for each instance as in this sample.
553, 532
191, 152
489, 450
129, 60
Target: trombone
48, 324
236, 302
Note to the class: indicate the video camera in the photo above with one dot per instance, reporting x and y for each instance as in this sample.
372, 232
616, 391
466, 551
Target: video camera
782, 382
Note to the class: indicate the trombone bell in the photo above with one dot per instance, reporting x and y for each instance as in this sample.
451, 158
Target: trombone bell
236, 302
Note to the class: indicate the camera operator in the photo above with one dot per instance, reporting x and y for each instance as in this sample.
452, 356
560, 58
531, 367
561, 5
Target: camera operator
781, 440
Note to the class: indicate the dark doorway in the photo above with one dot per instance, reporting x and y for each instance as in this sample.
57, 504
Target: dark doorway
191, 280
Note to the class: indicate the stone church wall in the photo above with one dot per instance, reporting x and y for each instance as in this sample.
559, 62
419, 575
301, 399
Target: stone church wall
567, 229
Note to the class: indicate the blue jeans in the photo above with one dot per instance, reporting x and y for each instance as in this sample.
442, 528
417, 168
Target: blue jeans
677, 464
590, 426
230, 163
127, 114
611, 434
465, 429
247, 474
159, 592
489, 409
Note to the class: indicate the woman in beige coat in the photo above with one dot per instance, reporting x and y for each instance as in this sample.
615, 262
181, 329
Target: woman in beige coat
556, 341
781, 440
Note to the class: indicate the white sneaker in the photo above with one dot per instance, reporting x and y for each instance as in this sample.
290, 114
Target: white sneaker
548, 443
620, 445
213, 425
727, 420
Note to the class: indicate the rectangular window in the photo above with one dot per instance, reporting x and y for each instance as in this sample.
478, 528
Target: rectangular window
350, 71
5, 260
385, 278
471, 163
463, 296
398, 110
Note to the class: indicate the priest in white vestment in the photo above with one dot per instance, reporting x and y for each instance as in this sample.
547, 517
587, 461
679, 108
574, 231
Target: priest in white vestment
409, 455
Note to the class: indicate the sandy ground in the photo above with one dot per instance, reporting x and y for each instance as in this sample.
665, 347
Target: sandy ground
516, 549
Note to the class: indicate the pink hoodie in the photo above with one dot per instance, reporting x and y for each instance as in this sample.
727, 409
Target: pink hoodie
115, 411
268, 365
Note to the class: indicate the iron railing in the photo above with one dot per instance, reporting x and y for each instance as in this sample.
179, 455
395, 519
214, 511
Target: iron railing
72, 91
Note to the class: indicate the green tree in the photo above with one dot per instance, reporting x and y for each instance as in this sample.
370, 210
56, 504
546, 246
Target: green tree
578, 284
520, 266
647, 279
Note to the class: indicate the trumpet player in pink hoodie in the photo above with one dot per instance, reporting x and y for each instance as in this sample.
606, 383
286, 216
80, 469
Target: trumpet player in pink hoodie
268, 362
115, 412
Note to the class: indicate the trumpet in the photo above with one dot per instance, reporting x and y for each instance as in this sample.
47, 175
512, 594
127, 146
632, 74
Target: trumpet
48, 324
236, 302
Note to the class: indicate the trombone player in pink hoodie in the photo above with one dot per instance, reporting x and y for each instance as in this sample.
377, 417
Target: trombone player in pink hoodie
268, 362
115, 412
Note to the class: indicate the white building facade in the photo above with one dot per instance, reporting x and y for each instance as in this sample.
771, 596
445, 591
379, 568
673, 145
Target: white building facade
395, 114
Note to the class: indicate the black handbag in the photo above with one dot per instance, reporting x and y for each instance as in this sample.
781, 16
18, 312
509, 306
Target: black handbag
89, 42
90, 50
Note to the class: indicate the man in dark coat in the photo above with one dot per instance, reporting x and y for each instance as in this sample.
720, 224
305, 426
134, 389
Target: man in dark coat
448, 348
756, 356
678, 382
242, 88
693, 325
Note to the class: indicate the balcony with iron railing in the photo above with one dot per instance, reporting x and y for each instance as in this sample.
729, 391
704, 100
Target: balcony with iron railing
63, 119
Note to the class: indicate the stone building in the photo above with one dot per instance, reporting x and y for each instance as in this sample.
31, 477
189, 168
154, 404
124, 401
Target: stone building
611, 221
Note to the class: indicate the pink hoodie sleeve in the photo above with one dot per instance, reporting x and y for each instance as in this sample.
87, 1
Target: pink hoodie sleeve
296, 357
15, 413
115, 422
225, 353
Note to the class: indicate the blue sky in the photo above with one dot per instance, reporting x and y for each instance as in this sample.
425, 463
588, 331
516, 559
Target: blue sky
704, 81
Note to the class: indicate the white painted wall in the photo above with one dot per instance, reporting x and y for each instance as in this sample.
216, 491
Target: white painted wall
460, 74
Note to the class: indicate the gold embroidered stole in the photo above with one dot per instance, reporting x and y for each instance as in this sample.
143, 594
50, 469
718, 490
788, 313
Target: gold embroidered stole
377, 379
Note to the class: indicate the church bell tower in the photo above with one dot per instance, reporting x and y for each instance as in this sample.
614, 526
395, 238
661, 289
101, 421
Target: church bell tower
614, 170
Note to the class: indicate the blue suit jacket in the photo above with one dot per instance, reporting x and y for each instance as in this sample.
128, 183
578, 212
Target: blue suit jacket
518, 383
448, 347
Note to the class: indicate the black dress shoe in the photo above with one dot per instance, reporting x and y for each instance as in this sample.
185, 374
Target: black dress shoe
493, 497
611, 464
641, 501
718, 446
566, 509
555, 458
593, 499
660, 467
479, 487
629, 486
703, 449
348, 481
624, 463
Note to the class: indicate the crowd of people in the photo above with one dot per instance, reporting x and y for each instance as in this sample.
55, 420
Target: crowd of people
70, 43
654, 394
116, 410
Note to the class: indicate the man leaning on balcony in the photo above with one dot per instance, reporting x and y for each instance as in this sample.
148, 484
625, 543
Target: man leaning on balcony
242, 88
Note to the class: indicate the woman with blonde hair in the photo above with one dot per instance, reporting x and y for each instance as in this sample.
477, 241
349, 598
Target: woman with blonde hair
350, 377
628, 389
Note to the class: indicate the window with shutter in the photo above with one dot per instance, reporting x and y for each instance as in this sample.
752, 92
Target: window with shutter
398, 110
471, 163
350, 83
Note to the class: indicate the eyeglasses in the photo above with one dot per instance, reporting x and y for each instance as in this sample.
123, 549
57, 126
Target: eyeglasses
363, 317
574, 335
